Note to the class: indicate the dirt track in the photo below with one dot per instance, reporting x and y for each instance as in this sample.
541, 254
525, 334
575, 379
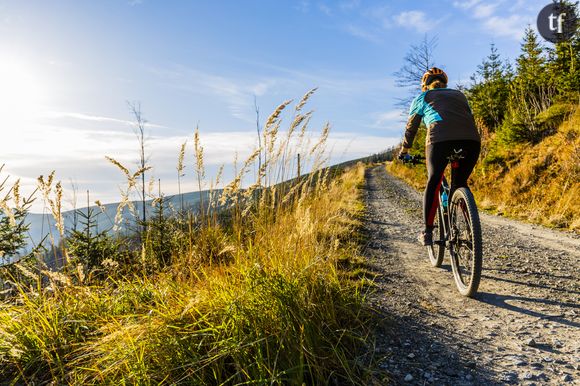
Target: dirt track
522, 328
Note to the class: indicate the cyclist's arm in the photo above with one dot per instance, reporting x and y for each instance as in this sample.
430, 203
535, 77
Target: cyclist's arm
415, 117
411, 130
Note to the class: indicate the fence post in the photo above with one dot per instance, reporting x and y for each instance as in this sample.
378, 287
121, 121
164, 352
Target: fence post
298, 162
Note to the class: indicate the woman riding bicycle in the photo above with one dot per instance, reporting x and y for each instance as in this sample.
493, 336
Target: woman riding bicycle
450, 129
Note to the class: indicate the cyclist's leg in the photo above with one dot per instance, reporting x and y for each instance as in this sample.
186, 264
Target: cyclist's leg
436, 160
465, 165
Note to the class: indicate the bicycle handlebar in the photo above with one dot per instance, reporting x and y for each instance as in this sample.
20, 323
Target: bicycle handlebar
412, 159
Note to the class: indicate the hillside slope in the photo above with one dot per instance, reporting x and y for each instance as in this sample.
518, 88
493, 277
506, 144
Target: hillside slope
537, 183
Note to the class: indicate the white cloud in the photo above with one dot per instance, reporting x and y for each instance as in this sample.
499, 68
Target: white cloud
303, 6
96, 118
362, 33
79, 156
88, 117
510, 25
466, 4
347, 146
261, 88
416, 20
477, 9
381, 15
382, 119
238, 94
348, 5
325, 9
482, 11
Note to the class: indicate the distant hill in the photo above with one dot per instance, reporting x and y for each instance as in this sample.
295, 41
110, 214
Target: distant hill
42, 225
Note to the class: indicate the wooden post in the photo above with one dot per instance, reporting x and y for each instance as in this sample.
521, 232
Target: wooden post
298, 162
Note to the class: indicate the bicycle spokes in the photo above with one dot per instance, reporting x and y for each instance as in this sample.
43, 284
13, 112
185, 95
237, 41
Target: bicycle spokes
462, 242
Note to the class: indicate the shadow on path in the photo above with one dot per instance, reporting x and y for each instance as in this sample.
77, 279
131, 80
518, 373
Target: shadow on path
503, 301
532, 284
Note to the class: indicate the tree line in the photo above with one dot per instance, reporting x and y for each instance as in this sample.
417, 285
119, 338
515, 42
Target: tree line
527, 101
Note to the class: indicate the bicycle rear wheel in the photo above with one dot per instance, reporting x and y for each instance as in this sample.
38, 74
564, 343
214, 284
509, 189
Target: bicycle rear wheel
465, 243
437, 250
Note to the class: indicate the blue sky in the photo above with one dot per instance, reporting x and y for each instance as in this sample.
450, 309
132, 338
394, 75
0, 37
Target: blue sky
68, 68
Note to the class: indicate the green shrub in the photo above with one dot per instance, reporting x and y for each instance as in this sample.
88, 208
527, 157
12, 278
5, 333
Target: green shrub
551, 118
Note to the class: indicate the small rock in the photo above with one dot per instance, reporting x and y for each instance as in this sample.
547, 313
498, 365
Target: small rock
557, 343
427, 375
566, 378
528, 376
509, 377
408, 378
536, 365
469, 377
547, 359
411, 356
542, 375
531, 342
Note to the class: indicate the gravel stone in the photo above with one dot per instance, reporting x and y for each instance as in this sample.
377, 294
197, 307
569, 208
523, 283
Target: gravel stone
470, 341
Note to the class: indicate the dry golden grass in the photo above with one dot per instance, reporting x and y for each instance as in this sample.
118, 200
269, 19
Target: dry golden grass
537, 183
416, 175
260, 297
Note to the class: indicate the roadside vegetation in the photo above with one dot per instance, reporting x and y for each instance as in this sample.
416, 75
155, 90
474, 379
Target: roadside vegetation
528, 115
258, 285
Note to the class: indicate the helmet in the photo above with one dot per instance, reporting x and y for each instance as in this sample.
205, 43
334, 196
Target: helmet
432, 74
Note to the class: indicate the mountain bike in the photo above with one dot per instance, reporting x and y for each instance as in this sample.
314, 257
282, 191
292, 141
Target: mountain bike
457, 228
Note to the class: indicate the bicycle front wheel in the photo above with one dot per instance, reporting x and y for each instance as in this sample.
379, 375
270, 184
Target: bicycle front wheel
437, 250
465, 243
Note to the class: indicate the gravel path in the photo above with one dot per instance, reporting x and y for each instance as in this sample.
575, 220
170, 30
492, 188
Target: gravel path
522, 328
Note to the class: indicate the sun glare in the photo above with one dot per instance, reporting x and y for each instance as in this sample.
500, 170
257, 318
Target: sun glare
21, 94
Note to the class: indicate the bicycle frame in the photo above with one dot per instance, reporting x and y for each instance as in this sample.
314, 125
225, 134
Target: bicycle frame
445, 208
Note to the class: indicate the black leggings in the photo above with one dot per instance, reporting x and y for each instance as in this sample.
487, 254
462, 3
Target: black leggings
436, 157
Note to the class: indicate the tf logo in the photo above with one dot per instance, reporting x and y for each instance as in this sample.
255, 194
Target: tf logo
557, 22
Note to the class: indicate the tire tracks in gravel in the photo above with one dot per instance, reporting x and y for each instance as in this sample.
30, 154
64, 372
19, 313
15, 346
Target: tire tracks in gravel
523, 327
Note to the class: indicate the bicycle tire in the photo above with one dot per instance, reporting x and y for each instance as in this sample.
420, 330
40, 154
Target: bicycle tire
467, 274
437, 250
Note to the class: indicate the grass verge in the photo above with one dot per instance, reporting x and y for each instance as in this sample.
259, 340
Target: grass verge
279, 310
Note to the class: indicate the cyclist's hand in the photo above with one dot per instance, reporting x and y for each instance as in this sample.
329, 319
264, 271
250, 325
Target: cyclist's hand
403, 152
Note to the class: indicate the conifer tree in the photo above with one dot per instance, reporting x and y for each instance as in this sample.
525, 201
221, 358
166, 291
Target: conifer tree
89, 245
13, 233
489, 91
564, 65
531, 92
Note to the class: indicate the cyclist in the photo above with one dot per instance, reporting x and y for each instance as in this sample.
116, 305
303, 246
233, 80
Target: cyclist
450, 129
